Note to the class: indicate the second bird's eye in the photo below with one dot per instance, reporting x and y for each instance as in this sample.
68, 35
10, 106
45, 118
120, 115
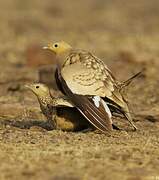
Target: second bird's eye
37, 87
56, 45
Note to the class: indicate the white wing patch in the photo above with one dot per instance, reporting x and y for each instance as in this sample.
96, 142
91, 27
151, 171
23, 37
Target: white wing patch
96, 100
106, 108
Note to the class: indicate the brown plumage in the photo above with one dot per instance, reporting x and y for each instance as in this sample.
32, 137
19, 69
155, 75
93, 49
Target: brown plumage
82, 76
96, 116
60, 113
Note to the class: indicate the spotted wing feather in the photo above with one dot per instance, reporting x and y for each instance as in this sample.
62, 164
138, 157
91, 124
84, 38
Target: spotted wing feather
95, 115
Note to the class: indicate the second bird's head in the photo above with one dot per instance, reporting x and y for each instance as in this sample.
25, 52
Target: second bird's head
40, 90
58, 47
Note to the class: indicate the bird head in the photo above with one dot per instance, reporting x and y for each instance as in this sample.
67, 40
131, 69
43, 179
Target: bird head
40, 90
58, 47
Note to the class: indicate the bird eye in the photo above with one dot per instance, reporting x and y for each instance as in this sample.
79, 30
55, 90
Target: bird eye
37, 87
56, 45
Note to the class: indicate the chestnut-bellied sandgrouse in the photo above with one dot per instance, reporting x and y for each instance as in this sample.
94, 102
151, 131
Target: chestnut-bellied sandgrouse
89, 85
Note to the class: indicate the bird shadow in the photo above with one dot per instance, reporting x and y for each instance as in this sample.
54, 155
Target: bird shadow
23, 124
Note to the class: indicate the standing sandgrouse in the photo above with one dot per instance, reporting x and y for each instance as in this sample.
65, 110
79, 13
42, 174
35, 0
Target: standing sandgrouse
89, 85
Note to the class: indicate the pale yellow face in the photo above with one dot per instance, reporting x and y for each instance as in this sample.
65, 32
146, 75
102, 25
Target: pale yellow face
38, 89
58, 47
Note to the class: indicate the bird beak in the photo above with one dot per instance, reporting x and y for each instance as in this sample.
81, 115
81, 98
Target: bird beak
45, 47
49, 46
27, 86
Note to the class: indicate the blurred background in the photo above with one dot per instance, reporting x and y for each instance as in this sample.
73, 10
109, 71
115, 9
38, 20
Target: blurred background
106, 27
125, 35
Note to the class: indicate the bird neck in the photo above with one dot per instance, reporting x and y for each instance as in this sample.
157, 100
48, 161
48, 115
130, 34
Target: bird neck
61, 58
44, 100
44, 97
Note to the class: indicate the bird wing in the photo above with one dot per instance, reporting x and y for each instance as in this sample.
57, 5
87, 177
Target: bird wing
61, 102
98, 115
85, 74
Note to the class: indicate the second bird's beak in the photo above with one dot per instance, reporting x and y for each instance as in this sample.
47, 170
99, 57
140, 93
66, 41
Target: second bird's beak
28, 86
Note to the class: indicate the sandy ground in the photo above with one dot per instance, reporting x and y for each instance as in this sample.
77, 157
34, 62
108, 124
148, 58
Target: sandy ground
125, 35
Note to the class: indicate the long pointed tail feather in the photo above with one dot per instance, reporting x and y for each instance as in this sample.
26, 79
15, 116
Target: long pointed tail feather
129, 81
121, 110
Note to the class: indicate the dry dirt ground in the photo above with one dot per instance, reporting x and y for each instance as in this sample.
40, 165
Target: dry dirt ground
123, 33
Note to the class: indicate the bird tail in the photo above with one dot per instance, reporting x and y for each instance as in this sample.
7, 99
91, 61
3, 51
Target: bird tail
129, 81
128, 116
120, 109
